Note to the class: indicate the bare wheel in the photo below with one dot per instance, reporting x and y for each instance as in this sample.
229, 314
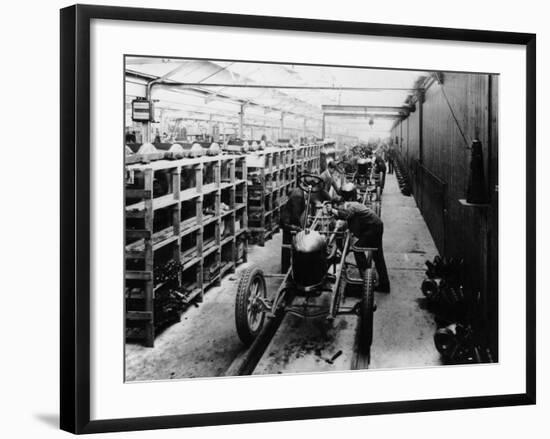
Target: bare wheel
249, 310
367, 312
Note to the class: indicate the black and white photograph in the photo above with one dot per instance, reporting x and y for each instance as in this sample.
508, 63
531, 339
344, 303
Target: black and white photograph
284, 218
275, 220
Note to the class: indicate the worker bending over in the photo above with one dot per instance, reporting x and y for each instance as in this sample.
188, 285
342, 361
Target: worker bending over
293, 218
368, 228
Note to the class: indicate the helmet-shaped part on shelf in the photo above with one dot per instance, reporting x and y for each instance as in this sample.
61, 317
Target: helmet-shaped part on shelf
147, 148
177, 148
196, 150
214, 149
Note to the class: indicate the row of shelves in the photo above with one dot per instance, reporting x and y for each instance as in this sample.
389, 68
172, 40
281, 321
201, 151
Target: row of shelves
193, 215
264, 211
198, 231
273, 159
224, 206
201, 264
272, 175
180, 180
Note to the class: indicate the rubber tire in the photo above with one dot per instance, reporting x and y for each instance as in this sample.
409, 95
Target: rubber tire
367, 312
430, 289
246, 334
446, 343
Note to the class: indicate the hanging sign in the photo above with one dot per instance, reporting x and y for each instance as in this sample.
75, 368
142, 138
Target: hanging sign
142, 110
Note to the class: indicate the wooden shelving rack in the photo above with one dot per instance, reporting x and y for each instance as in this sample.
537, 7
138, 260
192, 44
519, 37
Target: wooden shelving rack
272, 174
308, 159
192, 211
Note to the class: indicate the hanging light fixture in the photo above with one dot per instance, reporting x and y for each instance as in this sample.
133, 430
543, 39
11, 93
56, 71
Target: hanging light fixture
371, 122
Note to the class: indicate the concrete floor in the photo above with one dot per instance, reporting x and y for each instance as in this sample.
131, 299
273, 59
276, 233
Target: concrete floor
403, 331
305, 345
205, 342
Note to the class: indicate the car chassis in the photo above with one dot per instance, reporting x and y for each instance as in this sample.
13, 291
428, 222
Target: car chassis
252, 305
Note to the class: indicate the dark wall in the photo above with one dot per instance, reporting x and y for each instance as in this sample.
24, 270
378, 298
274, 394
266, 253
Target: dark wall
438, 160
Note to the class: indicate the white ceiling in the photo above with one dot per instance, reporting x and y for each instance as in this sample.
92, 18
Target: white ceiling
300, 102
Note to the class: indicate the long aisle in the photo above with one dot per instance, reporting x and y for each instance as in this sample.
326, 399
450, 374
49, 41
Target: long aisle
403, 330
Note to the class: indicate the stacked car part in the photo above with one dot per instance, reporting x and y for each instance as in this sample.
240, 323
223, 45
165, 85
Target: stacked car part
403, 178
458, 337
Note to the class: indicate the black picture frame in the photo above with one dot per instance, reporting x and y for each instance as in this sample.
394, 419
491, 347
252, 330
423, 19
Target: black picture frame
75, 217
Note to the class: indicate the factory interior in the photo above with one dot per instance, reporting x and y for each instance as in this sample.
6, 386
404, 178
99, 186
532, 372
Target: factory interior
284, 218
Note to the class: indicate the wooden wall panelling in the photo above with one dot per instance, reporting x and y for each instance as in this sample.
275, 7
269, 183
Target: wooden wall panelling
445, 154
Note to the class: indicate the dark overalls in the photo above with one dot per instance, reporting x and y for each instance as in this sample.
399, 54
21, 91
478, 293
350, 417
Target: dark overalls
390, 162
380, 168
365, 225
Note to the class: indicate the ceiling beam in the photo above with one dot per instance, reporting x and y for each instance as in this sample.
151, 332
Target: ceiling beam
366, 108
364, 115
172, 72
292, 87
